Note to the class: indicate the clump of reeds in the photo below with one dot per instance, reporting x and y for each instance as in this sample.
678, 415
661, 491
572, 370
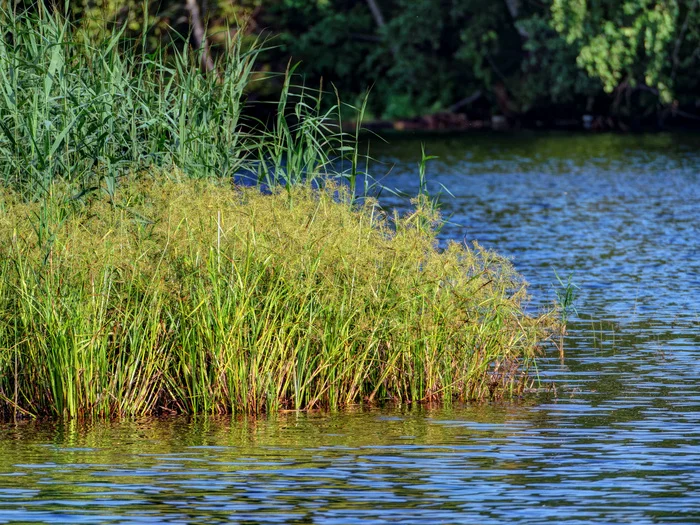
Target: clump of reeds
91, 112
126, 291
198, 296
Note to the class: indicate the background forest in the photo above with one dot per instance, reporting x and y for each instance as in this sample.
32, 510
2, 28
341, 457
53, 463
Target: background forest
535, 62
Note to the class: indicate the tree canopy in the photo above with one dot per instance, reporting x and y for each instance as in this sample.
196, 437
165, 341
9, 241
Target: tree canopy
539, 58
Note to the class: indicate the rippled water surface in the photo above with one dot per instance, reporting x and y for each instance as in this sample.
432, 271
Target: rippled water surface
619, 442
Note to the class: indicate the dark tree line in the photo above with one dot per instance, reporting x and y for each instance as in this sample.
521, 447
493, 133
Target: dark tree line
635, 61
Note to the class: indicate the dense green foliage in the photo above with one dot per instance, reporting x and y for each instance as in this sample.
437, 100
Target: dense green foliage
93, 109
610, 56
541, 58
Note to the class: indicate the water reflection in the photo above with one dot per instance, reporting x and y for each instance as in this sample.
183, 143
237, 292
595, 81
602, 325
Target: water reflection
618, 441
567, 459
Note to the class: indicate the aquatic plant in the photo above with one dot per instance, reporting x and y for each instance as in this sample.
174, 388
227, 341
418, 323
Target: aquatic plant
566, 297
137, 277
90, 112
201, 297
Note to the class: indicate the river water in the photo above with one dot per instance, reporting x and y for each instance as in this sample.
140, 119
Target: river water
617, 439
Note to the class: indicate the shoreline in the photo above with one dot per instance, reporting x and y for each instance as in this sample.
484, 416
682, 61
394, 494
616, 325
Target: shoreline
451, 123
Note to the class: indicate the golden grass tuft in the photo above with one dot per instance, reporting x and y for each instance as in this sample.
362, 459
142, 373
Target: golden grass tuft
198, 296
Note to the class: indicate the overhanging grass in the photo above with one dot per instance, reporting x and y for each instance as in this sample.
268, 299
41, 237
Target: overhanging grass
197, 296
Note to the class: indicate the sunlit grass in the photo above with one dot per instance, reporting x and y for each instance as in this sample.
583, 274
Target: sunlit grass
137, 279
196, 296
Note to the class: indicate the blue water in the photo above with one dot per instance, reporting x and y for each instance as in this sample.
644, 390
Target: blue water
616, 439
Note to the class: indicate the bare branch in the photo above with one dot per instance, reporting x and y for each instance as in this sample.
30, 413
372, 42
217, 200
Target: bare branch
376, 13
379, 19
465, 101
513, 7
199, 36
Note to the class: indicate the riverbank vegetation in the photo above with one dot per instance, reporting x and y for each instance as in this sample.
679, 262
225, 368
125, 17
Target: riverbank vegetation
138, 276
195, 296
83, 109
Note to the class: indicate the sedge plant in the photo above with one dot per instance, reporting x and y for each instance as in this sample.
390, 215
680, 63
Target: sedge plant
199, 297
136, 278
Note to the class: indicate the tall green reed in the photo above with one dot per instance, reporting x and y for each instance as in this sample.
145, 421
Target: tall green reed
90, 112
566, 295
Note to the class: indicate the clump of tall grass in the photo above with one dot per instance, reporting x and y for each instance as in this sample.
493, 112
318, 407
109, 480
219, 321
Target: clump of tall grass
125, 291
198, 296
91, 112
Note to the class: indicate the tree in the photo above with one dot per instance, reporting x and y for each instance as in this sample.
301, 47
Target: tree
631, 44
517, 57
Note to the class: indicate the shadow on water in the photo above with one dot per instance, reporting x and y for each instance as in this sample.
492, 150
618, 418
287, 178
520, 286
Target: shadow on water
618, 441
